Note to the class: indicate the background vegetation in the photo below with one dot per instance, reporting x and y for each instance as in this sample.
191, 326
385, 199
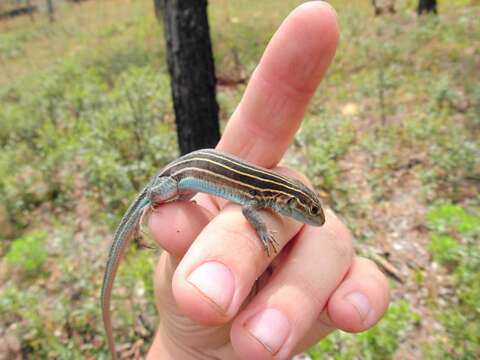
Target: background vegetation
391, 139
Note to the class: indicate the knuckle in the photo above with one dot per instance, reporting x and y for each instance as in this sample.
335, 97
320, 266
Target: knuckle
342, 246
379, 284
313, 291
382, 282
340, 237
368, 264
370, 267
245, 238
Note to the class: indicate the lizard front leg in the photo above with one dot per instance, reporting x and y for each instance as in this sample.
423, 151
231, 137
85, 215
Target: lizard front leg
250, 211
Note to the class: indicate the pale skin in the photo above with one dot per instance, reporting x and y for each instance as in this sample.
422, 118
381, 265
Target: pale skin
218, 294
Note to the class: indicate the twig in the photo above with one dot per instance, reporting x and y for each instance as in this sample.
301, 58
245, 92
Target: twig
387, 267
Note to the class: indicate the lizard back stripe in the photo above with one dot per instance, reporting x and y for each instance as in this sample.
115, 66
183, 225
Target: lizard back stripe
242, 166
241, 178
226, 181
232, 168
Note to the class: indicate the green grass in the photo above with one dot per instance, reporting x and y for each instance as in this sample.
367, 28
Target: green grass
86, 118
455, 238
381, 342
28, 253
323, 152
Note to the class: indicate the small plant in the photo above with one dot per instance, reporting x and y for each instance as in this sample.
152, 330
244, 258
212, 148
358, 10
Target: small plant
455, 238
28, 252
380, 342
444, 249
325, 151
139, 268
450, 217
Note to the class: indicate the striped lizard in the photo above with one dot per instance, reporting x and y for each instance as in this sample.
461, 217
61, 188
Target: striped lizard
212, 172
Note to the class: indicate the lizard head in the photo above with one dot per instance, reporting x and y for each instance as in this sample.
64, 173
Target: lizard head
304, 206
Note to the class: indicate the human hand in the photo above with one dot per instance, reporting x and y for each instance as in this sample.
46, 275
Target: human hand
218, 294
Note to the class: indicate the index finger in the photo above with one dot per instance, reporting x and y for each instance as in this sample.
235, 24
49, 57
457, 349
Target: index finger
281, 86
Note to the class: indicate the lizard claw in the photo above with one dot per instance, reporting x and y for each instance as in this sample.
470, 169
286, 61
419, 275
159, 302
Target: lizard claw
269, 241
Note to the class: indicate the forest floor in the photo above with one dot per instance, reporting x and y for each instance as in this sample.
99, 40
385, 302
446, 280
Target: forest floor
390, 139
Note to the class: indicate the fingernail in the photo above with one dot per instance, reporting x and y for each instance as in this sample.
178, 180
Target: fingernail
215, 281
270, 327
360, 302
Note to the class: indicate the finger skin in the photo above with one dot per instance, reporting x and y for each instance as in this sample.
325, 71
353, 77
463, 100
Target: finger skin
271, 110
279, 90
259, 131
228, 230
175, 225
309, 290
298, 289
365, 277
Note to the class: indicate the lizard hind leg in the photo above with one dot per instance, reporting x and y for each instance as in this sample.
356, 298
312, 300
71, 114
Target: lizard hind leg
143, 229
162, 190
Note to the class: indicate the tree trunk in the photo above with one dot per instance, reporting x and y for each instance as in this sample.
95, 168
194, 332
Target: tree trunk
31, 11
50, 10
192, 72
427, 6
159, 6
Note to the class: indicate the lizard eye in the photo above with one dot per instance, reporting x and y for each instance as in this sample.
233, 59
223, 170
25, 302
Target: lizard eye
314, 210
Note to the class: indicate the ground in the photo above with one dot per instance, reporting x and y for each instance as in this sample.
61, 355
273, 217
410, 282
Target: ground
390, 140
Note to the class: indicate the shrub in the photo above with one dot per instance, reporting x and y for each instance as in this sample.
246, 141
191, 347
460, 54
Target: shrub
28, 253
